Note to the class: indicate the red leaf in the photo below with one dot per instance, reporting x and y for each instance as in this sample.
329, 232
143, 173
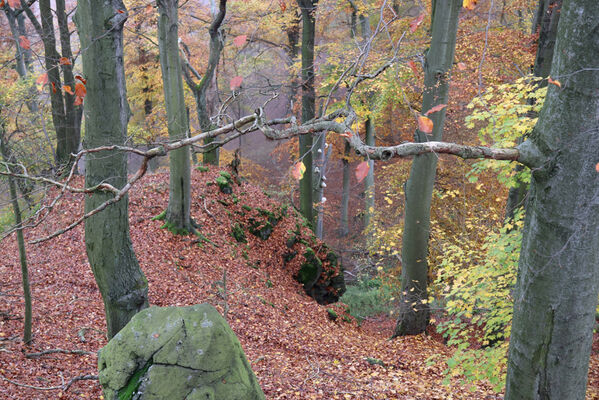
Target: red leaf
347, 134
64, 61
79, 77
42, 79
14, 3
240, 40
413, 66
556, 83
236, 82
416, 22
362, 171
436, 108
425, 124
120, 11
1, 3
24, 42
283, 5
149, 9
80, 90
78, 101
53, 87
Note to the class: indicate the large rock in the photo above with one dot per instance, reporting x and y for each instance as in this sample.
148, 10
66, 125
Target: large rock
176, 353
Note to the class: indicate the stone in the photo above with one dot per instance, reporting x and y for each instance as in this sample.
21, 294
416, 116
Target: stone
176, 353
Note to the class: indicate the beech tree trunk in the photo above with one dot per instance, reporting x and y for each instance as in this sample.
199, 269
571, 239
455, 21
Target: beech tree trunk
546, 22
308, 8
558, 280
64, 116
414, 311
369, 190
177, 217
122, 283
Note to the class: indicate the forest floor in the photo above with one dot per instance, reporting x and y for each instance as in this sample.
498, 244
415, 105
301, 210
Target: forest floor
296, 351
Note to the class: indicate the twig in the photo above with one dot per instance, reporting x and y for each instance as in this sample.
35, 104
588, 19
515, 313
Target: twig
64, 386
208, 212
52, 351
79, 378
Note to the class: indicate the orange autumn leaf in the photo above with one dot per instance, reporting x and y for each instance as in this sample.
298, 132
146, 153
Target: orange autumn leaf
235, 82
120, 11
14, 3
79, 77
78, 101
64, 61
469, 4
425, 124
298, 170
283, 5
240, 40
67, 89
53, 87
416, 22
362, 171
347, 134
149, 9
597, 167
24, 42
436, 108
1, 3
80, 90
556, 82
413, 66
461, 66
42, 79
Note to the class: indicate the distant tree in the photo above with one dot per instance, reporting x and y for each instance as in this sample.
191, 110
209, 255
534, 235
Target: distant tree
178, 218
414, 311
306, 143
121, 281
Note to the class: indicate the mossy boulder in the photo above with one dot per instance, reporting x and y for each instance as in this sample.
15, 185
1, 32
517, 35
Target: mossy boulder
176, 353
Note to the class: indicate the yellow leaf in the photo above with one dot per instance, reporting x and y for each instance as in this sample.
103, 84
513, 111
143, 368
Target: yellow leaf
469, 4
298, 170
425, 124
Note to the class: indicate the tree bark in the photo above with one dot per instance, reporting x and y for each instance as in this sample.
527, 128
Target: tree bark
558, 280
122, 283
178, 218
414, 312
344, 230
546, 22
308, 8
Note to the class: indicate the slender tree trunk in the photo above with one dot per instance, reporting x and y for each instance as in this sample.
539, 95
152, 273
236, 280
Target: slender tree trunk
72, 120
308, 8
414, 311
122, 283
369, 189
558, 280
546, 22
200, 90
20, 240
344, 230
178, 217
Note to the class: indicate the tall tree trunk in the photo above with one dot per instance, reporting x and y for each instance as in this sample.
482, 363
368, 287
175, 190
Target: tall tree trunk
558, 279
20, 240
344, 230
414, 312
369, 189
308, 8
65, 117
200, 90
546, 22
122, 283
72, 113
178, 217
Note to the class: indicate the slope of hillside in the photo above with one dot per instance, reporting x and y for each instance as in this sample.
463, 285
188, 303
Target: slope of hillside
295, 349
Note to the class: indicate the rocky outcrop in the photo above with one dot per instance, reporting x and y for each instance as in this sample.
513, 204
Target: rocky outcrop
177, 353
